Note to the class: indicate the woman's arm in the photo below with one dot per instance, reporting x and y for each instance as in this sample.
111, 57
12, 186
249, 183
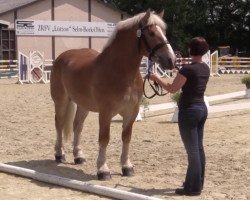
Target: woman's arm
177, 84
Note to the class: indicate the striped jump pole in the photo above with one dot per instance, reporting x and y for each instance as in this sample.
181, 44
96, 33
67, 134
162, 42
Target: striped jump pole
182, 61
8, 77
8, 69
8, 66
8, 61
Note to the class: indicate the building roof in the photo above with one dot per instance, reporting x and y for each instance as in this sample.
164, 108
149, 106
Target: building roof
7, 5
4, 23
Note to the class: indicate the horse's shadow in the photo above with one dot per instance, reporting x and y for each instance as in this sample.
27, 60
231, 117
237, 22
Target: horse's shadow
53, 168
150, 192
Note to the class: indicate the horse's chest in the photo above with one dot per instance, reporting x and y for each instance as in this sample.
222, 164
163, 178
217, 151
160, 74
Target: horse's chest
130, 95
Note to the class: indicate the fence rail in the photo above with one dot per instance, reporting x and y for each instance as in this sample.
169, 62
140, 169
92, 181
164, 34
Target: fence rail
234, 65
234, 62
8, 69
218, 65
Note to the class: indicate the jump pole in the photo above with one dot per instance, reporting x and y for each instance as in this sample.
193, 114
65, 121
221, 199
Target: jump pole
74, 184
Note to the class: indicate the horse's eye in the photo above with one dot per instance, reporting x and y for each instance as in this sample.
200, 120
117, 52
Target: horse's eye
151, 34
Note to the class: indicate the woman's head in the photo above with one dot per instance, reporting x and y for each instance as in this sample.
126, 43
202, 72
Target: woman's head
198, 46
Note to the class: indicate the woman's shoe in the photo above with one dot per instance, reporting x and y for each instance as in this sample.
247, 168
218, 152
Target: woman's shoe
183, 185
181, 191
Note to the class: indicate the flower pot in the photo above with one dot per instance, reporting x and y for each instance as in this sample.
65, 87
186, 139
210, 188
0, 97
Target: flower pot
139, 117
175, 115
248, 93
206, 101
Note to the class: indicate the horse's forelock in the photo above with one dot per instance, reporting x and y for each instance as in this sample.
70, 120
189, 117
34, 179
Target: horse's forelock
155, 19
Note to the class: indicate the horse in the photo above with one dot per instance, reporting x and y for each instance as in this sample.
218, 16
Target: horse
109, 83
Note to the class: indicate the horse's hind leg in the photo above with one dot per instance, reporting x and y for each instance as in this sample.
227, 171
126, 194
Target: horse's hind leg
60, 110
80, 116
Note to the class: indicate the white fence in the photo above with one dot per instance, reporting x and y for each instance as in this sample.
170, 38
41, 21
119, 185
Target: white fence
234, 65
218, 65
34, 68
8, 69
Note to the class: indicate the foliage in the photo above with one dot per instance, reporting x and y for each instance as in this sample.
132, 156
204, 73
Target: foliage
221, 22
246, 80
144, 102
176, 96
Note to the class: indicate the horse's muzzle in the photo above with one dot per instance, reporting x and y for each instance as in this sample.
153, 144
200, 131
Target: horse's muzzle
166, 62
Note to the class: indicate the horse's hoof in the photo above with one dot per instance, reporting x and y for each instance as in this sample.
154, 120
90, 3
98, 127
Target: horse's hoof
128, 171
79, 161
60, 159
103, 176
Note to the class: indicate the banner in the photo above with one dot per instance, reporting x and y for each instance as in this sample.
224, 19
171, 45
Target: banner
64, 28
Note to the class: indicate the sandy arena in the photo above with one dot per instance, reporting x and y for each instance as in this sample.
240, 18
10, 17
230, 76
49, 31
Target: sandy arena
27, 136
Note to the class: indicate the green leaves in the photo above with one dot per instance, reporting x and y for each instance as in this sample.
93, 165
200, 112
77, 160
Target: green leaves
221, 22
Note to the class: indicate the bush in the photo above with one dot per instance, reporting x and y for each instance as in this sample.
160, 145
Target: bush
144, 102
246, 81
176, 96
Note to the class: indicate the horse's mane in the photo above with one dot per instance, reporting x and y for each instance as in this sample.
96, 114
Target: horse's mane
130, 22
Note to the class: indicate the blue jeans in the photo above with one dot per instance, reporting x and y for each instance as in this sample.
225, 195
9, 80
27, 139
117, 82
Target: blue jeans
191, 121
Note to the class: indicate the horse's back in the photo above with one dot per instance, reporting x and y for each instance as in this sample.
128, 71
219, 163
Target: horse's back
70, 70
75, 58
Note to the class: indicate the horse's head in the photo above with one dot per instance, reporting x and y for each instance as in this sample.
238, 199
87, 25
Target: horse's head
153, 42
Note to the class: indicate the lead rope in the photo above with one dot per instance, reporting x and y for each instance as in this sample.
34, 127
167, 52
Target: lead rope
156, 87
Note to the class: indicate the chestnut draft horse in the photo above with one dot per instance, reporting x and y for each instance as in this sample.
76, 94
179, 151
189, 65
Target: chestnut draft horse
109, 83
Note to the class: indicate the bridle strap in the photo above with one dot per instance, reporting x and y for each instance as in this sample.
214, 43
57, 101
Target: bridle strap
158, 46
156, 87
150, 50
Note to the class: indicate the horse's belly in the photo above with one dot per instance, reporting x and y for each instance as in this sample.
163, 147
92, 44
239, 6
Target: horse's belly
86, 103
80, 91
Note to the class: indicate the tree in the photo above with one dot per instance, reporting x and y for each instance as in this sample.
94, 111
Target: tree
221, 22
230, 20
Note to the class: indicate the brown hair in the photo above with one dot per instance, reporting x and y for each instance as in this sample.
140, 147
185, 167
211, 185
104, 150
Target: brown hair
198, 46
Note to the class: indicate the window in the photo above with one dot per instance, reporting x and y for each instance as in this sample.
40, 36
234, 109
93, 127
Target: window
7, 44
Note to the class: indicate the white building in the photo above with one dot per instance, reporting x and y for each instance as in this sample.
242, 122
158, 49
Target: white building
51, 13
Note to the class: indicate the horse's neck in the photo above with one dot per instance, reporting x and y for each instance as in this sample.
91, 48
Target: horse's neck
123, 53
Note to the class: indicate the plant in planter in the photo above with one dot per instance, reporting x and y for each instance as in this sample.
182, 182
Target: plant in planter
175, 97
144, 103
246, 80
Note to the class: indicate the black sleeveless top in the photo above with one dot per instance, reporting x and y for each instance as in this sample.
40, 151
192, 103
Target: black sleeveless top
197, 75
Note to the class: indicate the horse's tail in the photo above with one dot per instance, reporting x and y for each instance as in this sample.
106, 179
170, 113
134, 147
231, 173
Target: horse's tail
68, 119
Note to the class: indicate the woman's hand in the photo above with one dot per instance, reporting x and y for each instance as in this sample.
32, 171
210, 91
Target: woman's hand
154, 77
177, 84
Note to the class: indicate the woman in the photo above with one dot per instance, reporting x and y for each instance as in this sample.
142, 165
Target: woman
192, 80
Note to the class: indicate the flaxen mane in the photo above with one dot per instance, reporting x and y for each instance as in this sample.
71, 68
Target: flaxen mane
128, 23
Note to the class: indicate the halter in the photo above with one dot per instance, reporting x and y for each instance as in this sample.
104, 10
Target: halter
156, 87
151, 51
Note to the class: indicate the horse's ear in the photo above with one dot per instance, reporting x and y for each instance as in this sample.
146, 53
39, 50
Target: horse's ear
145, 18
161, 14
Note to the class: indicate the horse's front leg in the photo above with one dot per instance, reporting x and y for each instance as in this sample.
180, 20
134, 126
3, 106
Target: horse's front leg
103, 171
128, 121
